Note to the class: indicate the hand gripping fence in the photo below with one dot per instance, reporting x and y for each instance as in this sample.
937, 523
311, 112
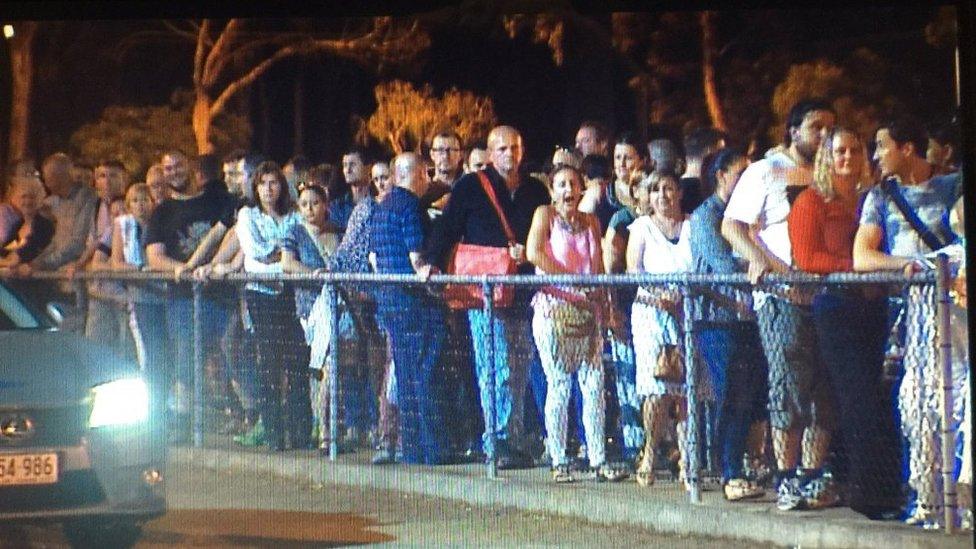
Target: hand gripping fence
698, 460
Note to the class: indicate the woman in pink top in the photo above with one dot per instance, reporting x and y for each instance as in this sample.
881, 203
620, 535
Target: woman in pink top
567, 321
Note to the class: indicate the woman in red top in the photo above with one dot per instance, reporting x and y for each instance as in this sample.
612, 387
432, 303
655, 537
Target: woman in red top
851, 322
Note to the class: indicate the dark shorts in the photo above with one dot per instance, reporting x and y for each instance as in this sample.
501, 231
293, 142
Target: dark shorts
799, 386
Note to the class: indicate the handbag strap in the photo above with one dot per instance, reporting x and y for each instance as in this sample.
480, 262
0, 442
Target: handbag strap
930, 239
490, 191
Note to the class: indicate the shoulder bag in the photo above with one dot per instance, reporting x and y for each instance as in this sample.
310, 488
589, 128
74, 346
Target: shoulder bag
471, 259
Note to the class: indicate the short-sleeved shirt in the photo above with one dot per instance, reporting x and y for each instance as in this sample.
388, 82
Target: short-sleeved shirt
931, 201
180, 224
763, 197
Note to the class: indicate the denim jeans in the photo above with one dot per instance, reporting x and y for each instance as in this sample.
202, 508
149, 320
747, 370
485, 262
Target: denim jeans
513, 351
179, 323
734, 356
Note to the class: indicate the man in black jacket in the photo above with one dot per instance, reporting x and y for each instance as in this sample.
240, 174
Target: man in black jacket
470, 217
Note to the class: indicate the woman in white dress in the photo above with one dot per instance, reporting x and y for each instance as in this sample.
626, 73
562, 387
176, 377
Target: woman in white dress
659, 243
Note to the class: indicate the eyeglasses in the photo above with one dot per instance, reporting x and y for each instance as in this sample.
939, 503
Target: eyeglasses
444, 150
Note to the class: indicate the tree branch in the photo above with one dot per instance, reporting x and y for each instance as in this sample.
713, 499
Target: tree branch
218, 53
189, 35
200, 54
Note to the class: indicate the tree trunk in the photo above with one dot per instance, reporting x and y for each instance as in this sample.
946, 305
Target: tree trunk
22, 69
202, 122
707, 19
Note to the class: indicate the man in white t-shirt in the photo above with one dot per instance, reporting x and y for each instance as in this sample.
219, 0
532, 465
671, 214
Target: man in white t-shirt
755, 226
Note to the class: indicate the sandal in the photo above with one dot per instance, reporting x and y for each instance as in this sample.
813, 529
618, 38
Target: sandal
645, 473
608, 473
738, 489
562, 475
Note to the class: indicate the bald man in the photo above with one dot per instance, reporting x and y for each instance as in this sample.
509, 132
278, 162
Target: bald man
471, 218
412, 317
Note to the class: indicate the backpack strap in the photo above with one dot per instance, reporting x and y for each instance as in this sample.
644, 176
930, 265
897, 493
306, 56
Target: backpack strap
931, 240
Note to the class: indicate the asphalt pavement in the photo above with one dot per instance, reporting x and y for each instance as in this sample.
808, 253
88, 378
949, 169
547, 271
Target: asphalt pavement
223, 508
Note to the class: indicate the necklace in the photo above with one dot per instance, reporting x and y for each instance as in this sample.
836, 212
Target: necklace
573, 225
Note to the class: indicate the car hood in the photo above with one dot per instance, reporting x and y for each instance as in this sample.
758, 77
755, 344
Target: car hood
52, 368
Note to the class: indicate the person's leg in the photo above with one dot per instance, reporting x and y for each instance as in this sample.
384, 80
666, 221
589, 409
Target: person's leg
558, 381
778, 331
430, 342
101, 324
148, 325
270, 374
717, 348
625, 369
502, 396
520, 352
590, 378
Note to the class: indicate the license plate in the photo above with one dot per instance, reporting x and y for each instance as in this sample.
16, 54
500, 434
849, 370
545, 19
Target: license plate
25, 469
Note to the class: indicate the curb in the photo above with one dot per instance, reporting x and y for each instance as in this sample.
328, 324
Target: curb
588, 501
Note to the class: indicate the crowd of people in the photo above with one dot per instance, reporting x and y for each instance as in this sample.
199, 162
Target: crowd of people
606, 366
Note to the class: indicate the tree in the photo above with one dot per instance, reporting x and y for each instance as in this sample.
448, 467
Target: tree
857, 88
137, 136
230, 57
22, 73
406, 116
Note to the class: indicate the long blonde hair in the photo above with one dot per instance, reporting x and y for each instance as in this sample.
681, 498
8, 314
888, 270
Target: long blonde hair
823, 165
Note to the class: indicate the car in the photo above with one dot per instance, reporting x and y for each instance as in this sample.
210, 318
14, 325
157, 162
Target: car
77, 444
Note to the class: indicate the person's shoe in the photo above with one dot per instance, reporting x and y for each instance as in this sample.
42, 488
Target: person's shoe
383, 456
788, 494
607, 473
820, 492
738, 489
254, 437
562, 475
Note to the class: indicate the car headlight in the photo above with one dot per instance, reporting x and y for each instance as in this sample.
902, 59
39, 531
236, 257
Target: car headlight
121, 402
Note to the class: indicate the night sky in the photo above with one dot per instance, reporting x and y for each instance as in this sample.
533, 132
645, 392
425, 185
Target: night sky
80, 72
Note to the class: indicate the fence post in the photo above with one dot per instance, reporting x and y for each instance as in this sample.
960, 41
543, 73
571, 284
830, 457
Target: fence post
333, 379
487, 293
198, 370
945, 361
691, 383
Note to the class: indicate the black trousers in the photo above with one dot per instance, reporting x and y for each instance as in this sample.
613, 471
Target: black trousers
282, 368
852, 332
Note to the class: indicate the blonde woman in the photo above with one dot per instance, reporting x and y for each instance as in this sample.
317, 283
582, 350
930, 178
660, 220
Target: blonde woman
659, 243
851, 325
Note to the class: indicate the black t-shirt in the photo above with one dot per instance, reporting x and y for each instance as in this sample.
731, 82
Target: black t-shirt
180, 225
691, 194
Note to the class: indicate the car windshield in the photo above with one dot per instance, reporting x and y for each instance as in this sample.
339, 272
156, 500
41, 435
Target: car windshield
15, 313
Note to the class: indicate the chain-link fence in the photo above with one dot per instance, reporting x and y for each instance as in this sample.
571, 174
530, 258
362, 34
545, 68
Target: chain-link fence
822, 388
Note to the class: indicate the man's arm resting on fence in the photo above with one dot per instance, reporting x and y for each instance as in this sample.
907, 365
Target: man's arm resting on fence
158, 260
868, 257
760, 260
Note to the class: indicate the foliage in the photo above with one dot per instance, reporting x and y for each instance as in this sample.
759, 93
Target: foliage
857, 88
405, 116
138, 135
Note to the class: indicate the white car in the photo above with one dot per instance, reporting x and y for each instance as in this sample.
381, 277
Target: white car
76, 446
